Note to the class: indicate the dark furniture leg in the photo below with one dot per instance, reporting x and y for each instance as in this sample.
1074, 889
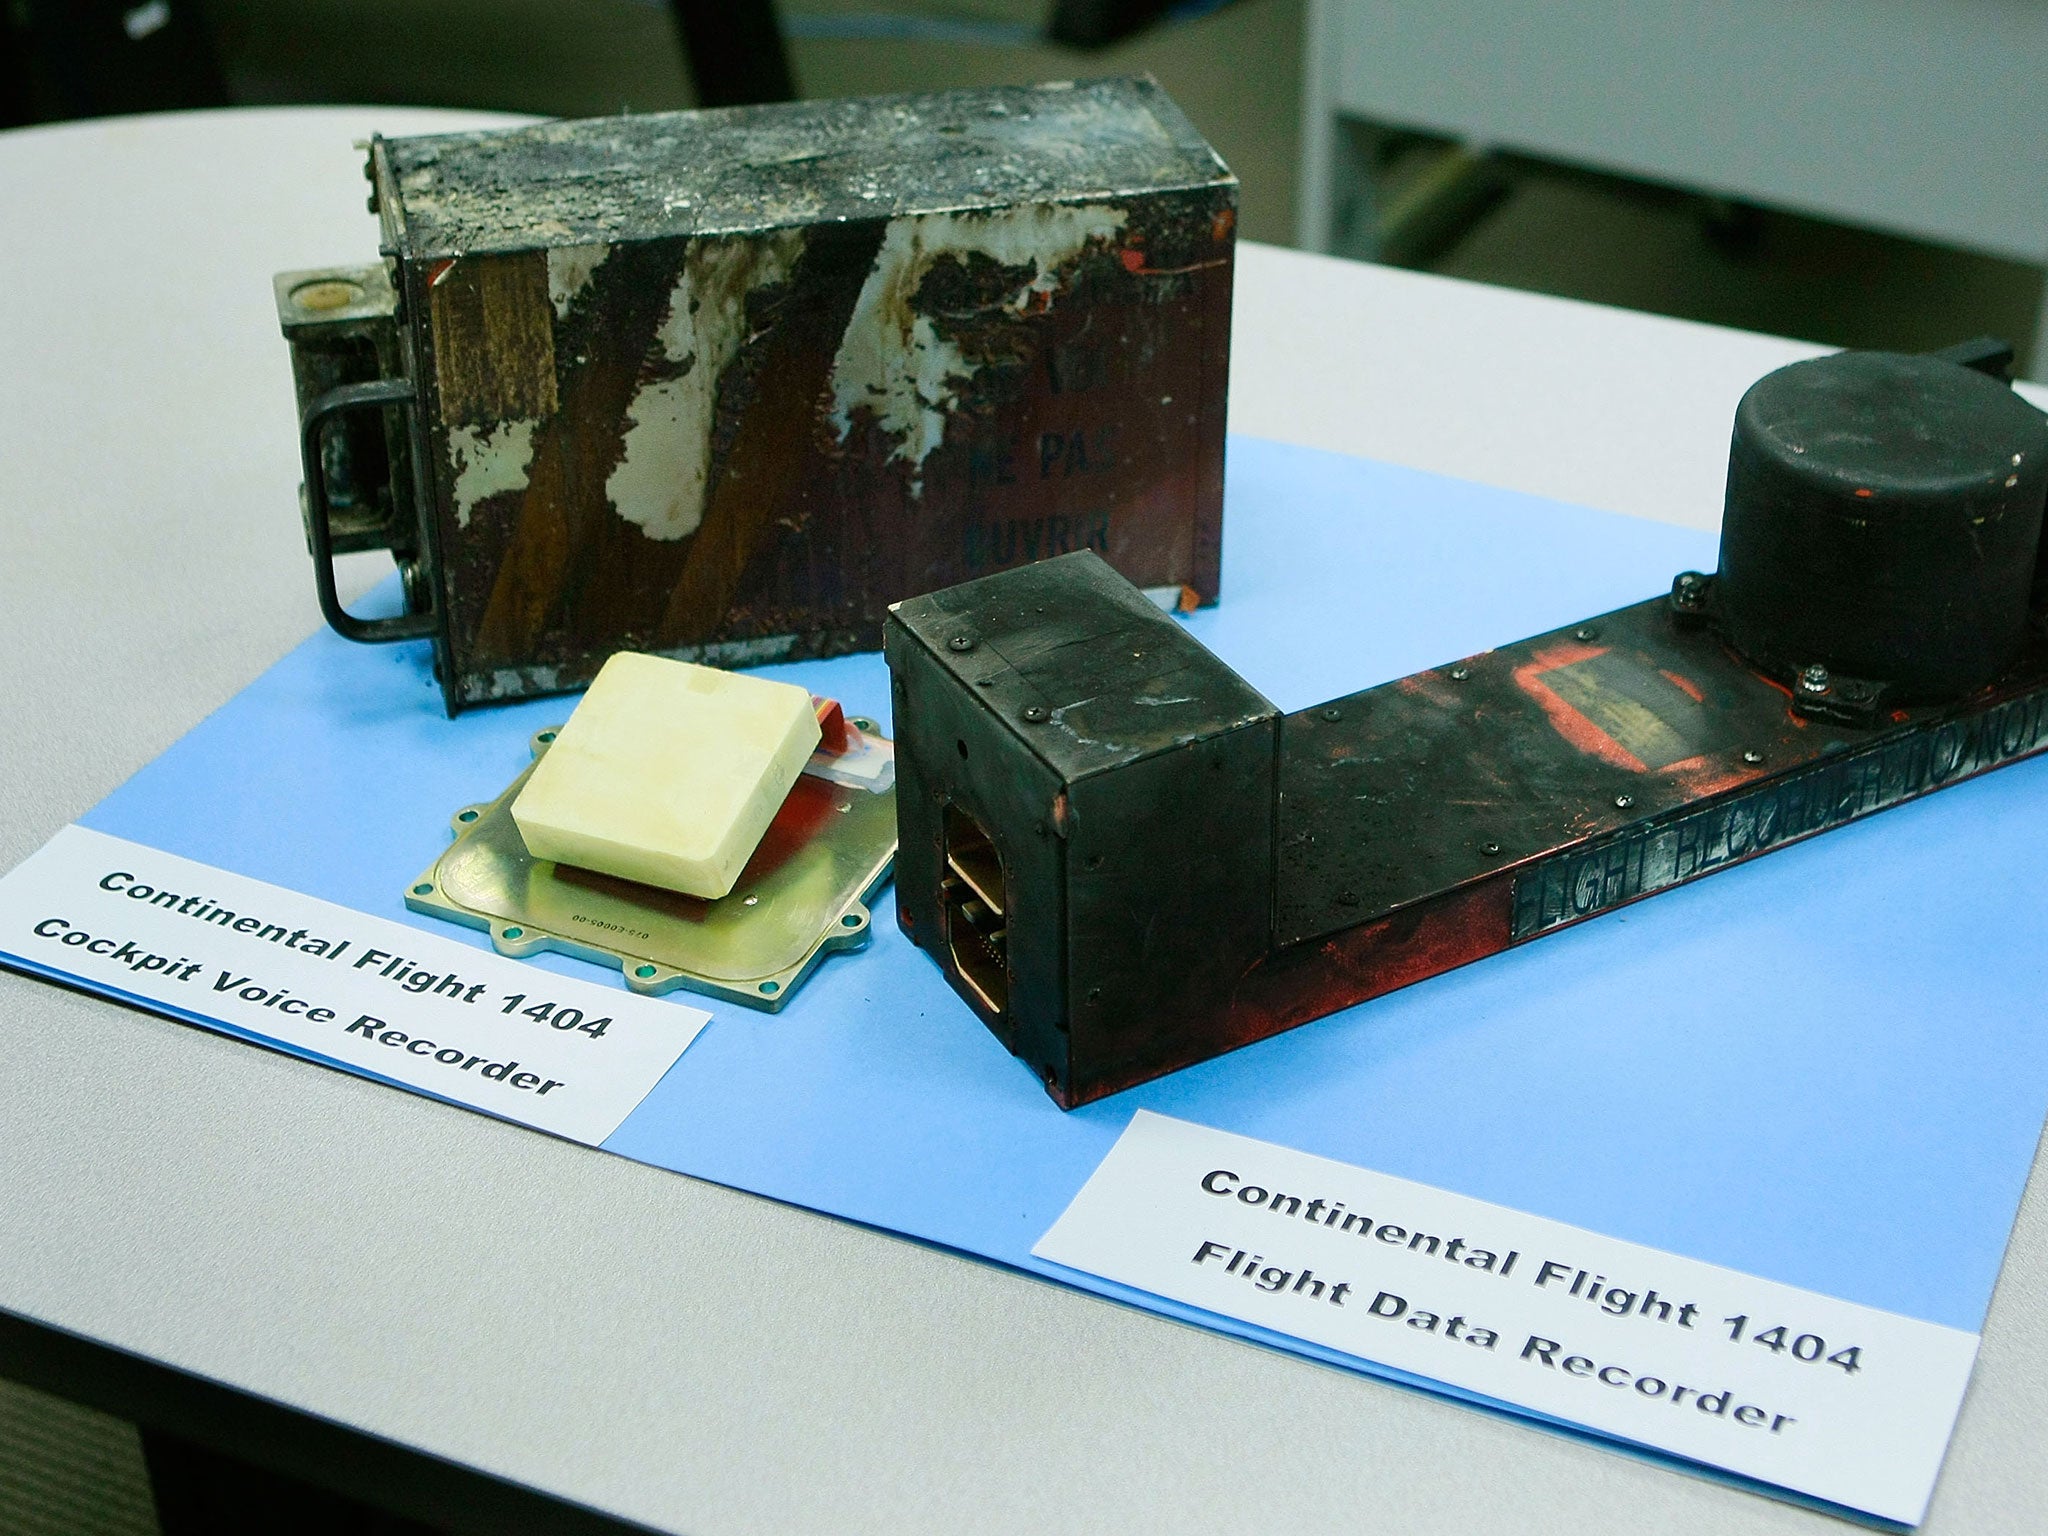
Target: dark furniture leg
734, 51
200, 1492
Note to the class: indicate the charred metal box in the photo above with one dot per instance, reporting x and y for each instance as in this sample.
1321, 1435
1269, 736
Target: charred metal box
726, 384
1125, 861
1085, 827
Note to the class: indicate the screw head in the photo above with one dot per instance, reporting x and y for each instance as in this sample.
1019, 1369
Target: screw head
1459, 674
1333, 714
1752, 757
1623, 802
1814, 679
1036, 714
960, 643
1490, 848
1586, 632
327, 294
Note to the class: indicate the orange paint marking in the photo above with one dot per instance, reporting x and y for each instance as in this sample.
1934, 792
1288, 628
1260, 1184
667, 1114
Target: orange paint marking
1567, 721
1133, 259
1684, 685
1701, 776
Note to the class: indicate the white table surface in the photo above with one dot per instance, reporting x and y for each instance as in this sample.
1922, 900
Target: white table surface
623, 1338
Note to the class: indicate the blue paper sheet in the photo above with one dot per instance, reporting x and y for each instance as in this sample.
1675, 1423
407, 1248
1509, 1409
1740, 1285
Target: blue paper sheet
1826, 1067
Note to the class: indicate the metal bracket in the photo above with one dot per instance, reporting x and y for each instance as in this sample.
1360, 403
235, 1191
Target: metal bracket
372, 394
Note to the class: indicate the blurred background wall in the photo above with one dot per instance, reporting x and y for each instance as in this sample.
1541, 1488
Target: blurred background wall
581, 57
1463, 137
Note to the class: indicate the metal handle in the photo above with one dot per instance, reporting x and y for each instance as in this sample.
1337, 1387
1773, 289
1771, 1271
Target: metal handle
376, 393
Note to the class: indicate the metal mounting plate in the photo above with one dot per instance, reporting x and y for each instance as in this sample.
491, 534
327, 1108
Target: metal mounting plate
802, 895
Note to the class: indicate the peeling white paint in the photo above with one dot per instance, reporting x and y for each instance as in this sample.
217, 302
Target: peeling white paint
664, 472
569, 269
893, 360
512, 683
757, 652
488, 461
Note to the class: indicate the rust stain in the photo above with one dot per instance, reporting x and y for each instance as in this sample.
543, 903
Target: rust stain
1434, 688
758, 486
1308, 981
565, 498
494, 340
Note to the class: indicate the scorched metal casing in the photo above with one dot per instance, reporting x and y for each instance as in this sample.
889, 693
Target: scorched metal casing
1221, 880
1125, 862
724, 385
1084, 812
